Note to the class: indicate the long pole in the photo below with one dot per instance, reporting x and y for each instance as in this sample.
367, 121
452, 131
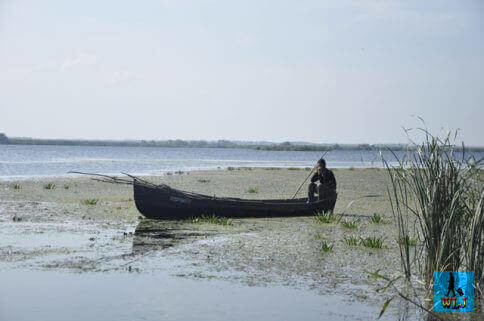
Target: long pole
303, 182
308, 176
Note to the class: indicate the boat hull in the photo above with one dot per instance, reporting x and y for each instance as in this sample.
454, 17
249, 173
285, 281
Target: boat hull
163, 202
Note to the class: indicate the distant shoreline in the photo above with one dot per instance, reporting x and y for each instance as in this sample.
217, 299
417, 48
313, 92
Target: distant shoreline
267, 146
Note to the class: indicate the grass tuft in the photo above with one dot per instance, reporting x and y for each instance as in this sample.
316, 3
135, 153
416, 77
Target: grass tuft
202, 180
49, 185
212, 219
374, 242
253, 190
16, 186
90, 201
352, 240
350, 224
377, 219
325, 218
326, 247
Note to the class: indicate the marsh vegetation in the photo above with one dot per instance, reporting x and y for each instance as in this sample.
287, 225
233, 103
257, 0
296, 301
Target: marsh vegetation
212, 219
253, 190
49, 186
89, 201
325, 217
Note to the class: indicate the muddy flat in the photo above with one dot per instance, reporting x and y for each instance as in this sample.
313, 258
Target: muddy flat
77, 225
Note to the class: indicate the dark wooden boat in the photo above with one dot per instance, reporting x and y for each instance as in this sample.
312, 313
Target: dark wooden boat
164, 202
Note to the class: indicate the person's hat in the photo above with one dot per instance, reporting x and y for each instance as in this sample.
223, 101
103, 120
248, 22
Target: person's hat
322, 161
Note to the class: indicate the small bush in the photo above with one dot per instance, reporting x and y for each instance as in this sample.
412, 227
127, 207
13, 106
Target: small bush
372, 242
66, 186
90, 201
325, 218
230, 168
204, 180
293, 169
49, 186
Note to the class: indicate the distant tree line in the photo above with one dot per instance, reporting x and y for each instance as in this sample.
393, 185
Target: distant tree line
178, 143
288, 146
3, 138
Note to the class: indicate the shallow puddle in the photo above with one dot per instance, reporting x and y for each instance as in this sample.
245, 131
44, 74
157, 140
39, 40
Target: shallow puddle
53, 295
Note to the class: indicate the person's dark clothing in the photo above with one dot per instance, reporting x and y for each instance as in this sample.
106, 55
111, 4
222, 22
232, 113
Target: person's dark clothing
326, 178
451, 285
326, 189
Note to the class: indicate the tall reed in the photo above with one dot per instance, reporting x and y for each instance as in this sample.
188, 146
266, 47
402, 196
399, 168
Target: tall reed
440, 194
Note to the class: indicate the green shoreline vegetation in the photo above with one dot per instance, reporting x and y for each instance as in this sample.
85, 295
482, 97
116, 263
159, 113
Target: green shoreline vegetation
178, 143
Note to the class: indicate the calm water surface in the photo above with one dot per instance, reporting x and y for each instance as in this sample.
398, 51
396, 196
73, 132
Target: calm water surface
25, 160
52, 296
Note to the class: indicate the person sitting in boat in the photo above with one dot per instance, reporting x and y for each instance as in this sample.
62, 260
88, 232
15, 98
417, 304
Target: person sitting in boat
326, 189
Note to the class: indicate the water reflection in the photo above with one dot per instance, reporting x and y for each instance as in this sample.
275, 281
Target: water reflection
152, 235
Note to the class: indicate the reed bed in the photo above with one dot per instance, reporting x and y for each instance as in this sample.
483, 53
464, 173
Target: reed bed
436, 195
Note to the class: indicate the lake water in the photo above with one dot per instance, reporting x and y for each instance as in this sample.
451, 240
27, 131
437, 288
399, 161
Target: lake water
36, 160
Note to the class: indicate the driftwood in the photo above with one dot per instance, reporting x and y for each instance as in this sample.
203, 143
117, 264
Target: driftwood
115, 180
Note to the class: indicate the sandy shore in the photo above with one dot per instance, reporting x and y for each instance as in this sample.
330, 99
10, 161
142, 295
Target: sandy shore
51, 229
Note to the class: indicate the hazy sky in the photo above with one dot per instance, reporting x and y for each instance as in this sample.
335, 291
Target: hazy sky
320, 71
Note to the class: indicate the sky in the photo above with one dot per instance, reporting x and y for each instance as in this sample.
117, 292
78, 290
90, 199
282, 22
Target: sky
318, 71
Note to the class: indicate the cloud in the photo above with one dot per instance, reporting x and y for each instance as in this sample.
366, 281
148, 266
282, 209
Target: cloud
82, 59
120, 76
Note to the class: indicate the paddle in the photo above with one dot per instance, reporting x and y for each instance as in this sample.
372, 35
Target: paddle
308, 176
